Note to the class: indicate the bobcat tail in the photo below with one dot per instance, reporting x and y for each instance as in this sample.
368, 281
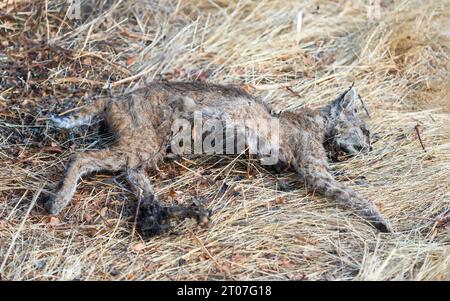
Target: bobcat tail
83, 116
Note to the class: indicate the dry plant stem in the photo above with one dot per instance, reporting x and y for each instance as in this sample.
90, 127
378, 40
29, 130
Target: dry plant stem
364, 106
416, 127
293, 92
16, 235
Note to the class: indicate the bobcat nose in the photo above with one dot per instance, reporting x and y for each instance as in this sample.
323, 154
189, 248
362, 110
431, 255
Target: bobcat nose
359, 148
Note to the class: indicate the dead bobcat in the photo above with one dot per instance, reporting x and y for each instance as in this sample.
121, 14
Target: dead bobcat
142, 121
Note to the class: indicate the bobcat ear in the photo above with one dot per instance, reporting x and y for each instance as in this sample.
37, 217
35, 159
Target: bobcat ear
348, 100
344, 104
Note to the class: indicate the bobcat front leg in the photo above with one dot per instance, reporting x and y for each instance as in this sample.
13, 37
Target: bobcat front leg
79, 165
315, 171
345, 197
152, 218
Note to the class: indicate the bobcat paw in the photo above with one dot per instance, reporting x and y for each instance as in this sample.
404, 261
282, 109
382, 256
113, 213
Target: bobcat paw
379, 222
200, 213
152, 219
383, 226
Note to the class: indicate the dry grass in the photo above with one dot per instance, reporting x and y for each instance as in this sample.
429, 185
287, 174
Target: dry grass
400, 68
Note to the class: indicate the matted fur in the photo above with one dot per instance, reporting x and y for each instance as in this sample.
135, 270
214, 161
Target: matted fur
142, 120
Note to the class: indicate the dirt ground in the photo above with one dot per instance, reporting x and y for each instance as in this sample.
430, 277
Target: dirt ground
53, 59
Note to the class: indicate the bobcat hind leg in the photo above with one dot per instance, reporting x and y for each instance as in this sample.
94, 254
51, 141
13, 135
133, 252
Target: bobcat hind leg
110, 159
154, 219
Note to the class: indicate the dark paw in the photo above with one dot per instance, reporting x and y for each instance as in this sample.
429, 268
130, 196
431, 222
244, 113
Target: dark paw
152, 219
283, 186
383, 226
149, 229
196, 211
200, 213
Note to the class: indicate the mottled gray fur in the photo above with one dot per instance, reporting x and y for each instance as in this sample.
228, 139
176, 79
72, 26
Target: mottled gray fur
142, 119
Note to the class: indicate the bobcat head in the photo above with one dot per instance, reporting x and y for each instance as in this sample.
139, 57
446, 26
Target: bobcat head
345, 132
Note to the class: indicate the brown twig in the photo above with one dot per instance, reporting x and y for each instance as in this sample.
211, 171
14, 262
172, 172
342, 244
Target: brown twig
206, 251
293, 92
418, 135
16, 235
364, 106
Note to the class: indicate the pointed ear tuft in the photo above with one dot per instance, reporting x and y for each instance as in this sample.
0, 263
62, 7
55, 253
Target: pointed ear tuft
344, 104
349, 100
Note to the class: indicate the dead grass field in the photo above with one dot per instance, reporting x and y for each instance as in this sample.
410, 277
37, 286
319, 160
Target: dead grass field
400, 66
